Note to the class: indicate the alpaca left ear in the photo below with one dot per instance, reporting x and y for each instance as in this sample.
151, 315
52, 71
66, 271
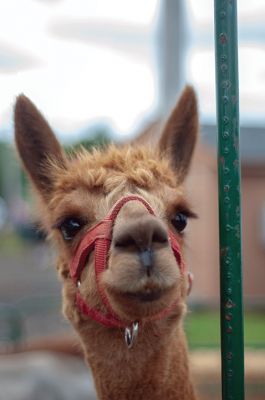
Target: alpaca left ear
180, 133
36, 145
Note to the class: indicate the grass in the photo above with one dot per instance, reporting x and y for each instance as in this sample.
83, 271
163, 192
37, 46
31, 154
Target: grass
11, 243
203, 329
15, 243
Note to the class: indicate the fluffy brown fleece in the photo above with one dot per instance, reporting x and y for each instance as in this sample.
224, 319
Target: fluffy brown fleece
85, 186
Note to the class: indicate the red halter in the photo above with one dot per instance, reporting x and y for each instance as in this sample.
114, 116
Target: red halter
98, 239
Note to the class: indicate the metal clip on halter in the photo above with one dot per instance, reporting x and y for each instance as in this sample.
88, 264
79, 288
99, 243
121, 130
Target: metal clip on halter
130, 334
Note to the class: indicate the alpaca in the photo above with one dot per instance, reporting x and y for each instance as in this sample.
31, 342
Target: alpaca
117, 216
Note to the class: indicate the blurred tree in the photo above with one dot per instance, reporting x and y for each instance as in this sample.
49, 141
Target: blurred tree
100, 138
1, 169
9, 172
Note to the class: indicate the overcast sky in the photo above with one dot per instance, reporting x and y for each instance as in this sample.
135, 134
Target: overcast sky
80, 61
85, 62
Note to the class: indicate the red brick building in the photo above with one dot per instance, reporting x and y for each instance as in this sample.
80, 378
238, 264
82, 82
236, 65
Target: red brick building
202, 235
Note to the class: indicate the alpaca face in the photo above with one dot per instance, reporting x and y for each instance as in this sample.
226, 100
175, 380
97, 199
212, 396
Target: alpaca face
142, 276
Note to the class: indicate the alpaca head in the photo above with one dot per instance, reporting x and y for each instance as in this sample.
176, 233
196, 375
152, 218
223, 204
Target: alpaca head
141, 277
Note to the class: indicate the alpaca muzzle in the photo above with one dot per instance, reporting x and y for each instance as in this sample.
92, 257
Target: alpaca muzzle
98, 240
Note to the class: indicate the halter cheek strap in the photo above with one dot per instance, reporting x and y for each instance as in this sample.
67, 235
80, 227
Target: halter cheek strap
98, 239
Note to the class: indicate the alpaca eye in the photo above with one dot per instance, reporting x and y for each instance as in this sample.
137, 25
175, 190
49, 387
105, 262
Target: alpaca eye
70, 227
180, 221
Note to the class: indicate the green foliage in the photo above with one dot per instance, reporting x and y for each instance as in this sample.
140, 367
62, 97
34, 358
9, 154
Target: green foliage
9, 167
11, 244
3, 152
99, 139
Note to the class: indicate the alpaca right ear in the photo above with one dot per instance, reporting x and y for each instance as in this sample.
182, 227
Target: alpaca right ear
180, 133
36, 144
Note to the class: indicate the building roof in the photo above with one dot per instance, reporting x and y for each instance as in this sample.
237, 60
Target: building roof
252, 142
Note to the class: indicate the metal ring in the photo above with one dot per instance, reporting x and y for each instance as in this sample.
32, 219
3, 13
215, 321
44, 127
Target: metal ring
130, 334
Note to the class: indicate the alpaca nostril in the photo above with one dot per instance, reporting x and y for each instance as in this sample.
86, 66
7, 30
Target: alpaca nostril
124, 241
160, 236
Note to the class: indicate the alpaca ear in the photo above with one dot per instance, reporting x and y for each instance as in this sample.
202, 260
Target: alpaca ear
36, 144
180, 133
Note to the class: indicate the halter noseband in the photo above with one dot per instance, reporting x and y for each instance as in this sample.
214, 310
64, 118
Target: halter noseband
98, 239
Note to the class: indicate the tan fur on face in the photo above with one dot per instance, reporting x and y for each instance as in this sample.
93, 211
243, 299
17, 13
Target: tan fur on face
78, 194
113, 167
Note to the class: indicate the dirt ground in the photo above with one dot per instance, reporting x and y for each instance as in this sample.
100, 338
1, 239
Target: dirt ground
41, 375
206, 370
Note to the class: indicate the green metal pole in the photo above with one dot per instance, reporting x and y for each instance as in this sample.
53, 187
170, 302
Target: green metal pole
232, 342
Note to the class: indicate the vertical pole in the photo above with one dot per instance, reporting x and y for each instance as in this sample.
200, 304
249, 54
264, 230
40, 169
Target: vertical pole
171, 52
232, 345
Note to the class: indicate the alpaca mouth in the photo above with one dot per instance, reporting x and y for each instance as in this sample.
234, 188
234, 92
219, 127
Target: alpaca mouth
147, 296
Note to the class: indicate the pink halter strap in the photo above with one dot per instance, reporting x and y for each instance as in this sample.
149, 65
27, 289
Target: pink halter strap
98, 239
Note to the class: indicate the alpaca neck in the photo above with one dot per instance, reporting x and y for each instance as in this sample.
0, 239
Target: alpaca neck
155, 368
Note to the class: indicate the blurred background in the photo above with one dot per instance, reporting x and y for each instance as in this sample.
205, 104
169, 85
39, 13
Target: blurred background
107, 70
